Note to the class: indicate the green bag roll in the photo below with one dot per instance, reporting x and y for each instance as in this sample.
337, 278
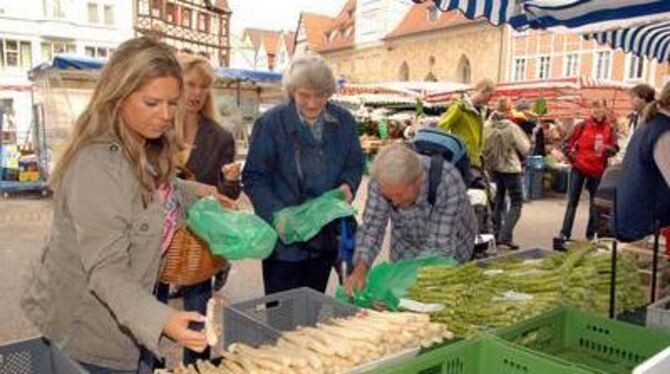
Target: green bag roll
302, 222
388, 282
231, 234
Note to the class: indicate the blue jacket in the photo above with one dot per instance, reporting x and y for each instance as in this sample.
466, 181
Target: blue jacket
271, 177
642, 196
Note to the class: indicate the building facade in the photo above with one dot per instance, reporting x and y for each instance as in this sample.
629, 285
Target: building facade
263, 49
540, 55
36, 31
196, 26
383, 41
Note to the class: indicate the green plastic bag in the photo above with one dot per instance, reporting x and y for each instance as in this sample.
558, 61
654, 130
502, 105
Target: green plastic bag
231, 234
384, 128
388, 282
301, 223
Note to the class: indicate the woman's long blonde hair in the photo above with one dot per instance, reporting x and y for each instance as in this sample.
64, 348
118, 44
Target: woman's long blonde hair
651, 110
134, 64
194, 63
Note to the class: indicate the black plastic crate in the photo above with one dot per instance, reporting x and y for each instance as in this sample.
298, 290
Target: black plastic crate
35, 356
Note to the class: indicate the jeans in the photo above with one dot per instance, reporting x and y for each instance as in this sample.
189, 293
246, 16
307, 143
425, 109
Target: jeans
575, 186
314, 273
507, 183
93, 369
195, 300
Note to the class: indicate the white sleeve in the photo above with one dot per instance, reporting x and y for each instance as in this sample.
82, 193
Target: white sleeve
662, 156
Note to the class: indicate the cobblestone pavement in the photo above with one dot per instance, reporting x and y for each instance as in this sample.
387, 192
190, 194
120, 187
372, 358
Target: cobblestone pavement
24, 221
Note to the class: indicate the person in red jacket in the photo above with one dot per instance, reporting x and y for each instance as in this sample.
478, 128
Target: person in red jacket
589, 146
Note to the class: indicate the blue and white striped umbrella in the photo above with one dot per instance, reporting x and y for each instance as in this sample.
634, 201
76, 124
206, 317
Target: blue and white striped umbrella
651, 40
542, 14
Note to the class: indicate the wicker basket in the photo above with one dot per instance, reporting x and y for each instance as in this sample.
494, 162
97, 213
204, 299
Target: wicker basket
188, 260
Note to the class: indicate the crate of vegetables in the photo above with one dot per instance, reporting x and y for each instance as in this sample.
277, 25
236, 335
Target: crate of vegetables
367, 341
262, 320
481, 355
658, 314
596, 344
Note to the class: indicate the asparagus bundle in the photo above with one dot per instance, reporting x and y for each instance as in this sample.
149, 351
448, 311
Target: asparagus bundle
333, 347
511, 290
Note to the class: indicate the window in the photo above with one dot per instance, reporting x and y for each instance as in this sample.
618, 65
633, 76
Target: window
109, 15
571, 65
143, 7
433, 13
156, 8
97, 52
544, 67
170, 13
58, 8
635, 68
93, 13
103, 52
602, 65
519, 69
464, 71
203, 22
50, 49
186, 17
26, 55
404, 72
15, 53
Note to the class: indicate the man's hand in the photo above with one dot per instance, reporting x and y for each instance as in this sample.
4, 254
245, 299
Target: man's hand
356, 281
177, 329
231, 172
348, 194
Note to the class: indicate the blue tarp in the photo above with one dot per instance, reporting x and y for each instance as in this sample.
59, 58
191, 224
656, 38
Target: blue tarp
72, 62
248, 75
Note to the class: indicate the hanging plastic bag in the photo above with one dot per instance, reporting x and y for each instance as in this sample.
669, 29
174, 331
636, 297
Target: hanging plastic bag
301, 223
231, 234
388, 282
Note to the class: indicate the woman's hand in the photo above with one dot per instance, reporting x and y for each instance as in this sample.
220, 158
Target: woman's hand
231, 172
348, 194
177, 329
205, 190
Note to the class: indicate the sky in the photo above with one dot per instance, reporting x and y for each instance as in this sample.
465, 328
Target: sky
276, 14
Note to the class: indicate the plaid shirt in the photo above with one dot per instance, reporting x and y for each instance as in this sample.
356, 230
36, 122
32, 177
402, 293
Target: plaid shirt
447, 229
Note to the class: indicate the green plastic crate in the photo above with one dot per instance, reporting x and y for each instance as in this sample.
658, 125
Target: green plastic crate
481, 355
597, 344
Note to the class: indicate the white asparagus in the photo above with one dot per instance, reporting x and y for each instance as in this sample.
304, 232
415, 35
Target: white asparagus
313, 359
340, 346
232, 366
309, 342
350, 334
282, 360
297, 360
247, 365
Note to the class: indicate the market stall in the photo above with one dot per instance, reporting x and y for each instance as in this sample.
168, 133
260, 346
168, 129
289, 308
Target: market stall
63, 87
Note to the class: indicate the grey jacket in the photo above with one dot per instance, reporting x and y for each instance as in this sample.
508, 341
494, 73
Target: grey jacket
90, 292
505, 143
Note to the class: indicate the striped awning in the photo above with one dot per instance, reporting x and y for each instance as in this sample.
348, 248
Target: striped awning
651, 40
542, 14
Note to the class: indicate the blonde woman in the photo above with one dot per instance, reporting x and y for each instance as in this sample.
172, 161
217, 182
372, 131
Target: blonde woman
209, 157
116, 203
